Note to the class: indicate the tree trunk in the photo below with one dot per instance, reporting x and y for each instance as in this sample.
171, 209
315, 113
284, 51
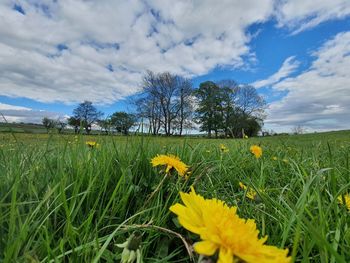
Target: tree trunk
88, 129
181, 112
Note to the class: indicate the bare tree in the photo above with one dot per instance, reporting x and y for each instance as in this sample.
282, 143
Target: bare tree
147, 103
249, 101
298, 129
87, 114
60, 125
185, 104
164, 101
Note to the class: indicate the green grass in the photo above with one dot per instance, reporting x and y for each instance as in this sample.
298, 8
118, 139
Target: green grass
61, 201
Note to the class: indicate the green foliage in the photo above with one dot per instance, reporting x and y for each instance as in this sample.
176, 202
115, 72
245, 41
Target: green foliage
208, 111
122, 121
75, 122
228, 108
48, 123
61, 201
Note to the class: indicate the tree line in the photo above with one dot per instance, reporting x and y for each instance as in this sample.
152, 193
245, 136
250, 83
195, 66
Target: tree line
168, 104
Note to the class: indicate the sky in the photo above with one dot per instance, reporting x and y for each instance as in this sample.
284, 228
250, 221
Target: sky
55, 54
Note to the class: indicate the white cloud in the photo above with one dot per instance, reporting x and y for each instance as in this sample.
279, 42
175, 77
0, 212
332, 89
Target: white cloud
318, 98
288, 67
4, 106
300, 15
13, 113
69, 51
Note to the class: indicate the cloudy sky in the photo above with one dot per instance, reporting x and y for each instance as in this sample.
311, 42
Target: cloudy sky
57, 53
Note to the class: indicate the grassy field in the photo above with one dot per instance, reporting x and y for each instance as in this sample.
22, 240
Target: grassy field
62, 201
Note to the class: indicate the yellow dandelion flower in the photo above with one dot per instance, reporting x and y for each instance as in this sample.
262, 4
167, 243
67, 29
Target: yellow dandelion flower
256, 150
251, 194
242, 186
223, 148
346, 199
171, 161
220, 228
92, 144
274, 158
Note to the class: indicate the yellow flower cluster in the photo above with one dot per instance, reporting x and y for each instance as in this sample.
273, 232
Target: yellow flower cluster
251, 194
346, 199
223, 148
256, 150
92, 144
170, 161
220, 228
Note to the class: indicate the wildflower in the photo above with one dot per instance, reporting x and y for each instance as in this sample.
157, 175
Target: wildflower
223, 148
131, 249
171, 161
346, 199
274, 158
220, 228
245, 136
251, 194
92, 144
256, 150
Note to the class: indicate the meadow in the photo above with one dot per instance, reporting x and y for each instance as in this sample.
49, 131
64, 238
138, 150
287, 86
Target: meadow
63, 201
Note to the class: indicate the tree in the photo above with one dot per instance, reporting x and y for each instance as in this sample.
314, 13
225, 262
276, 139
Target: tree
185, 104
241, 124
105, 125
48, 123
165, 92
208, 111
249, 101
298, 129
147, 103
228, 108
165, 102
60, 125
87, 114
72, 121
123, 121
228, 94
